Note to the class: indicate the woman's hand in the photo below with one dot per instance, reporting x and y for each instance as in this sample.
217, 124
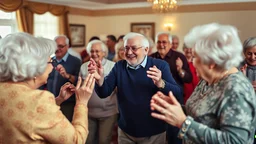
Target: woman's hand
96, 69
66, 91
169, 108
243, 69
84, 89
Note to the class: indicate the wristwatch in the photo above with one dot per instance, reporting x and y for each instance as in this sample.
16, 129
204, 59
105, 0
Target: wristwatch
163, 84
182, 73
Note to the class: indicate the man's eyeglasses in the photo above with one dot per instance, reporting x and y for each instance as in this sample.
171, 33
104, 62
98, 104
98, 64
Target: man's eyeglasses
164, 42
61, 46
53, 62
132, 48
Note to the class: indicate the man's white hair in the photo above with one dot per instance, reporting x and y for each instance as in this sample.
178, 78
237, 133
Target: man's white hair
164, 33
22, 56
131, 35
215, 43
104, 48
62, 36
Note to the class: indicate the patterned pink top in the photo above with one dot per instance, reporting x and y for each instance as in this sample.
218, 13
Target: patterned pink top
32, 116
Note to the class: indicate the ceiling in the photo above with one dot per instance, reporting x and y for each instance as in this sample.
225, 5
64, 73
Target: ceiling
117, 4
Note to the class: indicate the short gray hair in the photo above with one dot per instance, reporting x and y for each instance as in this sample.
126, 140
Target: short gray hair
215, 43
104, 48
249, 43
62, 36
22, 56
164, 33
131, 35
175, 37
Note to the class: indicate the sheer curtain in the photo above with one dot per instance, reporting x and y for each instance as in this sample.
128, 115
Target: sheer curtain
46, 25
7, 23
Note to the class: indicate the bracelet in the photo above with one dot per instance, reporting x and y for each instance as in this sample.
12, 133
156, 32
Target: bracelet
185, 126
163, 84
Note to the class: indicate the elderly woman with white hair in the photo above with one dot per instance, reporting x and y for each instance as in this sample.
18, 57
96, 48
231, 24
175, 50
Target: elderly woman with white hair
29, 115
248, 66
222, 107
102, 112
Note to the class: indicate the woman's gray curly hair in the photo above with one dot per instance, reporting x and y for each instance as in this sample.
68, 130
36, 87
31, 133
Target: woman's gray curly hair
22, 56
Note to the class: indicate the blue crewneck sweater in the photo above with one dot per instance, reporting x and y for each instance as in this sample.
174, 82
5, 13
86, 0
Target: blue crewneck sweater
135, 91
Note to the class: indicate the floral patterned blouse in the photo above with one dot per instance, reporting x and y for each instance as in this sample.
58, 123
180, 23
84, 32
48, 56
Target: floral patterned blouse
221, 113
32, 116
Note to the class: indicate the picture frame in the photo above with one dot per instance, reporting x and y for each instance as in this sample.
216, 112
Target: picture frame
147, 29
77, 35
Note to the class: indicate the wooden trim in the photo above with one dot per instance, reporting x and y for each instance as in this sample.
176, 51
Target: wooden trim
181, 9
78, 11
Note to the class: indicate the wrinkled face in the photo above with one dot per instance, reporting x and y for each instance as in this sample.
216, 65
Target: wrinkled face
43, 78
134, 51
62, 47
96, 52
250, 56
188, 52
175, 43
121, 53
163, 44
203, 70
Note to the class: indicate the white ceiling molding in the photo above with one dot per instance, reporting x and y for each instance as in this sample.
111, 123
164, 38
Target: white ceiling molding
83, 4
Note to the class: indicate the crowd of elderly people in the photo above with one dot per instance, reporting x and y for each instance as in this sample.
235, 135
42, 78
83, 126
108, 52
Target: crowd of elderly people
206, 95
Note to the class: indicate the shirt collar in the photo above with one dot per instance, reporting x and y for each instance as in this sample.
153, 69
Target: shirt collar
143, 64
64, 58
169, 53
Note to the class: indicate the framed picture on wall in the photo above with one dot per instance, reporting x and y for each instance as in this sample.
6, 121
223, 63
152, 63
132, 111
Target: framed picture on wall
77, 34
147, 29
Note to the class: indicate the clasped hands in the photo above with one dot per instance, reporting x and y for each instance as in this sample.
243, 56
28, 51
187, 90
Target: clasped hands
83, 90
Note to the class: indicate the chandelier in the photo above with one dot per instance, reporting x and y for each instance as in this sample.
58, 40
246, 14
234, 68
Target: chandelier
163, 6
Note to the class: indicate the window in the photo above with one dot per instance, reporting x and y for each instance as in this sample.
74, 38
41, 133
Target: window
46, 25
8, 23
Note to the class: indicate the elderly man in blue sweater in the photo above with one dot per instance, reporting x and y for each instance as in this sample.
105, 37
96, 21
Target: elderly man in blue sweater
137, 79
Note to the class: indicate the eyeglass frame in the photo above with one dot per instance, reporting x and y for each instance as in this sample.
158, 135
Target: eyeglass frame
132, 48
61, 46
162, 42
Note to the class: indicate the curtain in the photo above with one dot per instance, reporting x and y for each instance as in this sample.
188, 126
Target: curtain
25, 16
10, 5
25, 20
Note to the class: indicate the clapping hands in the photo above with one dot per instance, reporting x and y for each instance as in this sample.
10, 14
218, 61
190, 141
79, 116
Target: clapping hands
169, 108
156, 75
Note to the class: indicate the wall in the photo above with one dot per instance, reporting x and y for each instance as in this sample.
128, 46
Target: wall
183, 22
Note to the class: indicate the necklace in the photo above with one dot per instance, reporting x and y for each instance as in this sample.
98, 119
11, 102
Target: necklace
206, 89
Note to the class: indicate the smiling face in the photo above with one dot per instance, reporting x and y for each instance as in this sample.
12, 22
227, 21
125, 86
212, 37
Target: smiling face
62, 47
163, 44
97, 53
134, 51
175, 43
250, 56
188, 52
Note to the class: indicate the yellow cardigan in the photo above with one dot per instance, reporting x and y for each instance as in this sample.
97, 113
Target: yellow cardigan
32, 116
